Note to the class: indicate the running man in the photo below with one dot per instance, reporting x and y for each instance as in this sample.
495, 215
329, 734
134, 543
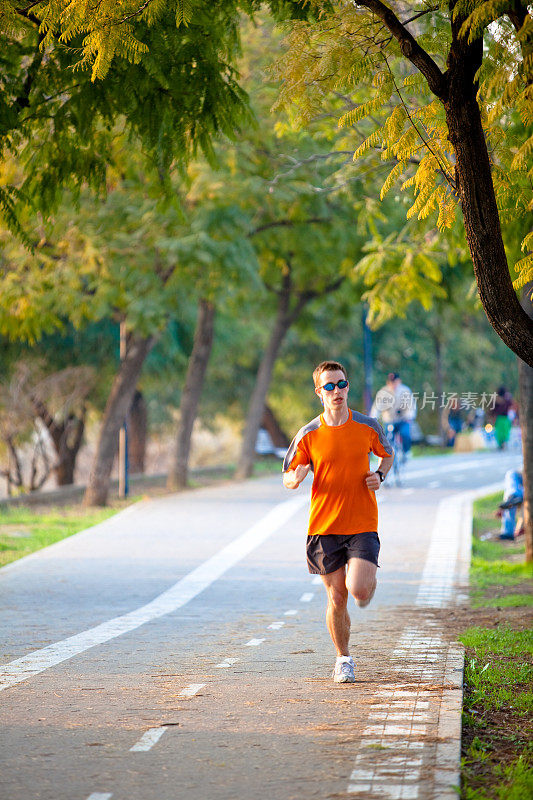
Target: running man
342, 542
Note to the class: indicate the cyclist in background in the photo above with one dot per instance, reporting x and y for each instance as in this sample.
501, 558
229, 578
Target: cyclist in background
396, 406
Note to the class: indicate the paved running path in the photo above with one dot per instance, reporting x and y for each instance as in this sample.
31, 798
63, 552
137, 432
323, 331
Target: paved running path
179, 650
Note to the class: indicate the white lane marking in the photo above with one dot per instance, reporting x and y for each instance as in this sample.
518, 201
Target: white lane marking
396, 744
395, 791
226, 663
254, 642
177, 596
99, 796
291, 612
398, 716
384, 772
306, 597
191, 690
394, 730
317, 580
275, 626
386, 790
401, 693
436, 586
401, 704
433, 484
362, 775
148, 739
457, 465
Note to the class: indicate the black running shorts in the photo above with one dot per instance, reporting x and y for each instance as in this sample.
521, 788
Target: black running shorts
328, 553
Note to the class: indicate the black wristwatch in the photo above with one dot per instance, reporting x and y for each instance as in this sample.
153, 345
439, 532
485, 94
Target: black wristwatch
381, 475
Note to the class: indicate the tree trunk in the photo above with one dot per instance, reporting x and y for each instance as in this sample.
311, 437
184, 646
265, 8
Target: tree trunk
274, 429
286, 316
194, 381
257, 403
64, 469
137, 432
118, 403
439, 382
67, 438
68, 447
478, 202
525, 375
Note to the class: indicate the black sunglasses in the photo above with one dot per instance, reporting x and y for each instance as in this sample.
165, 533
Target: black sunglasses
330, 386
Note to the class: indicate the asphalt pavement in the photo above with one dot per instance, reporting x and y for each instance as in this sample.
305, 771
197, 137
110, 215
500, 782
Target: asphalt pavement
179, 650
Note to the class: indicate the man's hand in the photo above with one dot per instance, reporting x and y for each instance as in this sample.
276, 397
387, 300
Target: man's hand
372, 480
293, 478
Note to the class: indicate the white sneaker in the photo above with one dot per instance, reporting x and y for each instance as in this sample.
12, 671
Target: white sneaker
344, 672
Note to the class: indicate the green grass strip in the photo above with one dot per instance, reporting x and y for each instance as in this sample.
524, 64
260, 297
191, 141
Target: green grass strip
24, 530
511, 782
508, 601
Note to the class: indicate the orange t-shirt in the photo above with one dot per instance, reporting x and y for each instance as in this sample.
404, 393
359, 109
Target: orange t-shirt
341, 502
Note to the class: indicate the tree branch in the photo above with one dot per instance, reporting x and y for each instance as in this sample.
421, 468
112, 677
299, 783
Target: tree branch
80, 429
443, 170
409, 46
287, 223
24, 100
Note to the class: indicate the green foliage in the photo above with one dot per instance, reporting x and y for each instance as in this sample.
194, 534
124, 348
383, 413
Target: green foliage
63, 127
508, 601
497, 762
346, 66
130, 256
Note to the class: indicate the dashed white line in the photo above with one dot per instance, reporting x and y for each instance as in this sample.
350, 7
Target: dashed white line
254, 642
176, 597
404, 704
394, 730
397, 744
397, 716
386, 790
148, 739
99, 796
275, 626
433, 484
306, 597
401, 693
228, 662
191, 690
317, 580
291, 612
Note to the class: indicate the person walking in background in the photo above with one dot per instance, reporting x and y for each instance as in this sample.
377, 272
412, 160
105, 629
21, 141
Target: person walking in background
501, 418
452, 421
396, 406
342, 542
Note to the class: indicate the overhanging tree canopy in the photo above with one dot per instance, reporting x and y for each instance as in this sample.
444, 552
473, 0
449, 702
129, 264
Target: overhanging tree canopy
62, 125
436, 76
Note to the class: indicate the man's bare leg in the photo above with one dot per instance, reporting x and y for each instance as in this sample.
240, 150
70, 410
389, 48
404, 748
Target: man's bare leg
361, 580
337, 618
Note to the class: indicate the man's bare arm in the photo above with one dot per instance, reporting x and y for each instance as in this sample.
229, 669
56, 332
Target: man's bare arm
372, 479
385, 464
293, 477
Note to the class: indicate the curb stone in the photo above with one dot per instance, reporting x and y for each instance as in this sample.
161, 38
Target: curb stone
448, 757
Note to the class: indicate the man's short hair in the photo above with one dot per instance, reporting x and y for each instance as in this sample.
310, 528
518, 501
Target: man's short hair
392, 376
328, 366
